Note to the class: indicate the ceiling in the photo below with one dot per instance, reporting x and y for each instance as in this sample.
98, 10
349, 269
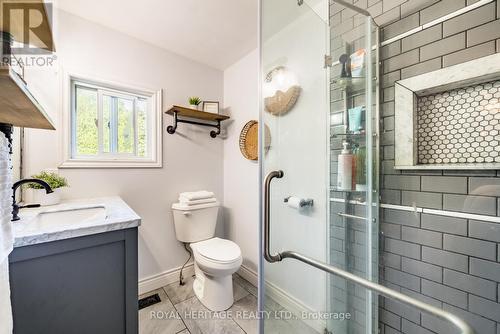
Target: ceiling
277, 14
214, 32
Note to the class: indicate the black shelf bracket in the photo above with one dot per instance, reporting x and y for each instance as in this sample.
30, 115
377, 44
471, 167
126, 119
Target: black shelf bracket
172, 128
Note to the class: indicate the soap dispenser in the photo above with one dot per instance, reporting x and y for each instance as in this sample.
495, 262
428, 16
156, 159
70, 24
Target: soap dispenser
345, 168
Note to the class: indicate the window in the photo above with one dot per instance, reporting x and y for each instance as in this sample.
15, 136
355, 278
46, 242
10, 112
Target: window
113, 127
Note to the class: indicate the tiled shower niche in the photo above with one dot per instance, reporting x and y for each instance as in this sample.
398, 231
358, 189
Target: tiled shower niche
459, 125
449, 118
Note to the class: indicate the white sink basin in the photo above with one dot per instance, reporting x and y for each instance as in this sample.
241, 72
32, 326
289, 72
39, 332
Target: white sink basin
53, 219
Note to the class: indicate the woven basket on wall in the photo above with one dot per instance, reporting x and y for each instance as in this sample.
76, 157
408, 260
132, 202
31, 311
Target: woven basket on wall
249, 140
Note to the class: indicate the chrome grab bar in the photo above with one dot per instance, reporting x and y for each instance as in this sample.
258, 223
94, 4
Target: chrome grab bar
267, 215
382, 290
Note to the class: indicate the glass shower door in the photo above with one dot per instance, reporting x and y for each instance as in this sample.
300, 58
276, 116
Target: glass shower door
354, 202
309, 215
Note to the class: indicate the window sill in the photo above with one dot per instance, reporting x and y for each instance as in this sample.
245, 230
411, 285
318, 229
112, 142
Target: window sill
83, 164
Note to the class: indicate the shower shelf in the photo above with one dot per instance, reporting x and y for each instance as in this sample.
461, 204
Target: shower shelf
189, 114
348, 191
350, 84
334, 135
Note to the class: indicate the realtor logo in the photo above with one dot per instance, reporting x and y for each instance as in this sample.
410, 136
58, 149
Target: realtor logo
28, 23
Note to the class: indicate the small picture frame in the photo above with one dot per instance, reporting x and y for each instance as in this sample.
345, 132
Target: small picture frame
211, 107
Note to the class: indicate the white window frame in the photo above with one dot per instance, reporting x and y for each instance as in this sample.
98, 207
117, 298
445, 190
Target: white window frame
108, 160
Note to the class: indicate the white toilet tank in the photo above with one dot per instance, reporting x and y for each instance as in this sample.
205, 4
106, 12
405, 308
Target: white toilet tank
195, 223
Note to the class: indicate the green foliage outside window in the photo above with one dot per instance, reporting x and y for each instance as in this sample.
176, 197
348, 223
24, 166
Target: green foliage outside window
86, 122
118, 122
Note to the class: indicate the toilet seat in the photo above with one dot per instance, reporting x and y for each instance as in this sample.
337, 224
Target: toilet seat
217, 250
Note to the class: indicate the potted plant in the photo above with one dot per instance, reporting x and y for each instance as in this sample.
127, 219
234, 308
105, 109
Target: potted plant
194, 102
55, 181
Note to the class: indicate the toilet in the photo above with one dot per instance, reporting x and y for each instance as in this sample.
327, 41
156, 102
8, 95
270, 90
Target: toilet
215, 259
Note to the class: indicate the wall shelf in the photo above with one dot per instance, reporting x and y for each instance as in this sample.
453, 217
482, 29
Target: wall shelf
18, 106
192, 116
353, 85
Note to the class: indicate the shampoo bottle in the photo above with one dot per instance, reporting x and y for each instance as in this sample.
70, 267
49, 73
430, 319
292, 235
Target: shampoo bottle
345, 167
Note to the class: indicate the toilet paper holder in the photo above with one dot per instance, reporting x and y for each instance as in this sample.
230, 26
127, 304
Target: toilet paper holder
303, 202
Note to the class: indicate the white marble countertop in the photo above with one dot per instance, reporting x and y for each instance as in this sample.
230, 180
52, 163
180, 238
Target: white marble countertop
99, 215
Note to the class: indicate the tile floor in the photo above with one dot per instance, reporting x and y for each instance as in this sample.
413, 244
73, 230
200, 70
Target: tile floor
180, 312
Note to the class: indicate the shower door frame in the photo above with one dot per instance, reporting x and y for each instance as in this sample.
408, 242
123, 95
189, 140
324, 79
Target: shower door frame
372, 142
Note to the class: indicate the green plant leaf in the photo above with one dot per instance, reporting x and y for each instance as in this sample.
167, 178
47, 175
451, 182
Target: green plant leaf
194, 100
54, 181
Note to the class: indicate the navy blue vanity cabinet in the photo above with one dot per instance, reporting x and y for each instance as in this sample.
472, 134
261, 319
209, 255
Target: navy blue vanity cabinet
83, 285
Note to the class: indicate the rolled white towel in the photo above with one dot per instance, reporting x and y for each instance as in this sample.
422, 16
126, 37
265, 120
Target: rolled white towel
197, 201
195, 195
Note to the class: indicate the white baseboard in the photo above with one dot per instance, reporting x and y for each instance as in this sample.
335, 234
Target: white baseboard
165, 278
289, 302
249, 275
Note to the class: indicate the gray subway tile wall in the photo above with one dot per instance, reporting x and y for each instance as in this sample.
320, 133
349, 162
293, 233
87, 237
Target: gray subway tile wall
430, 65
449, 184
422, 199
445, 259
444, 224
442, 47
484, 230
472, 284
396, 28
422, 269
469, 20
414, 6
422, 38
470, 204
440, 9
483, 33
468, 246
485, 269
423, 237
451, 262
471, 53
444, 293
479, 323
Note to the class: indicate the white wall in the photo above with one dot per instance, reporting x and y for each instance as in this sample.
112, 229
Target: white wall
241, 176
192, 160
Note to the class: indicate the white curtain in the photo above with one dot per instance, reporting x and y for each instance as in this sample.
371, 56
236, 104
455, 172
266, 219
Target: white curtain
6, 236
5, 308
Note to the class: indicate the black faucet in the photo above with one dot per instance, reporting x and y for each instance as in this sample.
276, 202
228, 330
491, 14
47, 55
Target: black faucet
15, 206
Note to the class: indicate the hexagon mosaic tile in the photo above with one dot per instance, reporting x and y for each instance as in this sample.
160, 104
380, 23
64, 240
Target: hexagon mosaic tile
460, 125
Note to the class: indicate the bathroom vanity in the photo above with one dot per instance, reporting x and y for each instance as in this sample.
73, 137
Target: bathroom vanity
74, 268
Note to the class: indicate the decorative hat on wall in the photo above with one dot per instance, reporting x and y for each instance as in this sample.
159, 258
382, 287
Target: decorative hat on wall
249, 140
281, 91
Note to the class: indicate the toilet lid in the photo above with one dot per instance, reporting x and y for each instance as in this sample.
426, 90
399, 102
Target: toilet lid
220, 250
